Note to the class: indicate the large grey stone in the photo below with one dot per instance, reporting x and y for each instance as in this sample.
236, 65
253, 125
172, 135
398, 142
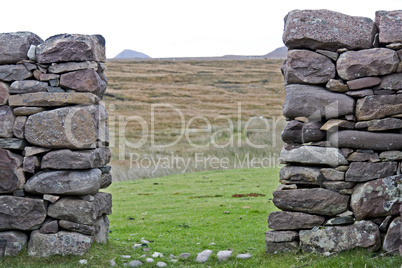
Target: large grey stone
377, 198
307, 67
7, 119
329, 30
77, 227
62, 243
366, 140
51, 99
65, 67
15, 242
14, 72
11, 174
298, 132
27, 86
71, 47
285, 220
21, 213
73, 127
300, 175
315, 201
321, 103
380, 124
391, 156
13, 143
368, 62
378, 106
80, 211
101, 229
365, 171
83, 81
312, 155
82, 159
391, 82
63, 182
363, 234
281, 236
389, 24
393, 238
14, 46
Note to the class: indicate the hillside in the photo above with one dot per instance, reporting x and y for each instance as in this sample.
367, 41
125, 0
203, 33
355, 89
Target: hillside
130, 54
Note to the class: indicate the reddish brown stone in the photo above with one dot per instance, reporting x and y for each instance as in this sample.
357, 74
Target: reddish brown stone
7, 119
364, 82
379, 106
389, 24
83, 81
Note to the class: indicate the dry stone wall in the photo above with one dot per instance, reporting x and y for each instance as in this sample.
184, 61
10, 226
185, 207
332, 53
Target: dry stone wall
53, 144
341, 187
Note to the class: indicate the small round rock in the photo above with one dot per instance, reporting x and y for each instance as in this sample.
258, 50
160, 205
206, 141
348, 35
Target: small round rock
135, 263
161, 264
244, 256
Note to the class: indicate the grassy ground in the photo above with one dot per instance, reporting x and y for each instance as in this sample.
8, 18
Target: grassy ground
193, 212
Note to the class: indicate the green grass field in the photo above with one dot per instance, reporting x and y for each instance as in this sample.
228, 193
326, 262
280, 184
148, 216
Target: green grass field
193, 212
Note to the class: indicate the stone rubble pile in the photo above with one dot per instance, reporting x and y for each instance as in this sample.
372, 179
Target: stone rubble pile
53, 144
341, 187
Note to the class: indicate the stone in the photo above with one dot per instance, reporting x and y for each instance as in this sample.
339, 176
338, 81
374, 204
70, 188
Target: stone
360, 93
48, 99
389, 25
14, 72
83, 81
368, 62
4, 93
297, 132
363, 234
361, 157
337, 86
391, 156
312, 155
332, 174
394, 46
26, 111
49, 77
27, 86
82, 159
149, 260
101, 229
385, 224
51, 198
364, 171
224, 255
31, 164
347, 220
20, 213
307, 67
61, 243
71, 47
377, 198
184, 256
315, 201
106, 180
203, 256
30, 151
19, 126
135, 263
80, 211
13, 144
329, 30
366, 140
378, 106
65, 67
14, 46
73, 127
15, 242
383, 92
300, 175
337, 186
335, 124
393, 238
65, 182
322, 103
77, 227
380, 124
31, 54
161, 264
50, 227
365, 82
391, 82
285, 220
281, 236
7, 119
11, 175
278, 247
244, 256
330, 54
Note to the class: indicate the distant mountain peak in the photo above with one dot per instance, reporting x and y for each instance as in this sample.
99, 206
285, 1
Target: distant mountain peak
279, 53
129, 54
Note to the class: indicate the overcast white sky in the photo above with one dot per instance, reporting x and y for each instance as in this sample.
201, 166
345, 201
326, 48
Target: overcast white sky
174, 28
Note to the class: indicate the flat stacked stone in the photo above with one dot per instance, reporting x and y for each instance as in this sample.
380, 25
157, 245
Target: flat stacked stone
53, 144
343, 160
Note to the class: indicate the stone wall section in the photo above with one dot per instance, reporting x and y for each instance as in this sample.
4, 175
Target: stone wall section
341, 187
53, 144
